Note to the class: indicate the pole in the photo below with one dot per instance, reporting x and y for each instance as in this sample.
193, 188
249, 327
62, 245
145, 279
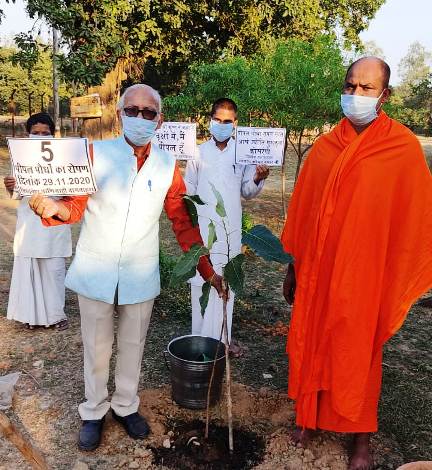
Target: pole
12, 111
56, 102
283, 182
30, 103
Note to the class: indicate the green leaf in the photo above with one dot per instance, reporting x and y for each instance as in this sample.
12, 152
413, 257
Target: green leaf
186, 265
211, 235
194, 198
233, 273
220, 207
192, 210
262, 241
203, 300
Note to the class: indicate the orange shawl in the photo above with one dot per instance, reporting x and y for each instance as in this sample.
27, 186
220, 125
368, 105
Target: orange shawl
360, 228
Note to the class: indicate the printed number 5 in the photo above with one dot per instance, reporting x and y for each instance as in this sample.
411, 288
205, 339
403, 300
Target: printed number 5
45, 148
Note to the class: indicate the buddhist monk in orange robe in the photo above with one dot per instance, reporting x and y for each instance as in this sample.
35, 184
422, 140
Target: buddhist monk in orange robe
360, 228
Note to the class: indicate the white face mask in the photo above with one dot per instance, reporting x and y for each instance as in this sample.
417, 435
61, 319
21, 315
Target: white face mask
37, 136
221, 132
360, 110
139, 131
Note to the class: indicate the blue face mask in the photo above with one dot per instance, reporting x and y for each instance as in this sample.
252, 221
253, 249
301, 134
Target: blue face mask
139, 131
221, 132
360, 110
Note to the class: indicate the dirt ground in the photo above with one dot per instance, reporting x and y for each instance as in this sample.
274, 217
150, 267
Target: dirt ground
51, 385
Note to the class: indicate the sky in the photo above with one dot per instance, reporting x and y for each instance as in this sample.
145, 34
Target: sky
397, 24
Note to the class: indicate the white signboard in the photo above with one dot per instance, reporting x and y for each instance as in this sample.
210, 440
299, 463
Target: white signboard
260, 145
178, 139
55, 167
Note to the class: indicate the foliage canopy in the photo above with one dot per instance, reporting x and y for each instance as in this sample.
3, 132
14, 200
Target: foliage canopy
162, 38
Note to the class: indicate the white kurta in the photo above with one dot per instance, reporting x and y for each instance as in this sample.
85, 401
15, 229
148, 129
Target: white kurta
37, 289
233, 181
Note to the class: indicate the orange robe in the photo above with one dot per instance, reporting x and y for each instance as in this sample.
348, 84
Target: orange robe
360, 228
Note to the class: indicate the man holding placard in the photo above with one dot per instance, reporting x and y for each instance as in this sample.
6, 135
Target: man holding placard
116, 265
216, 165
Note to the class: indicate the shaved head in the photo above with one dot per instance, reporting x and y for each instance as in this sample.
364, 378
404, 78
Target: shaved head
376, 67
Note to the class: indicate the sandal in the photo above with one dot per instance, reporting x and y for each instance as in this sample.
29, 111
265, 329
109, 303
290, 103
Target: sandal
61, 325
27, 326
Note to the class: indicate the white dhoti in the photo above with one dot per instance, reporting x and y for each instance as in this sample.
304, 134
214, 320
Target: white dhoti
37, 292
211, 323
97, 328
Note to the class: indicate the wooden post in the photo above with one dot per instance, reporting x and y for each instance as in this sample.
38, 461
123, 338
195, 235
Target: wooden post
100, 128
31, 454
56, 102
283, 183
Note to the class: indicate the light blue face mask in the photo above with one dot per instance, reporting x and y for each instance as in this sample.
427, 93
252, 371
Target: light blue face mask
360, 110
221, 132
139, 131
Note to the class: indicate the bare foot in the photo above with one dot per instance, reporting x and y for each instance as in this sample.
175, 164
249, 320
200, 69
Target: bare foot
301, 437
236, 349
361, 458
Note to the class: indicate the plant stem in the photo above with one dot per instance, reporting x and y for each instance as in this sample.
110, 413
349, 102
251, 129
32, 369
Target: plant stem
228, 378
211, 383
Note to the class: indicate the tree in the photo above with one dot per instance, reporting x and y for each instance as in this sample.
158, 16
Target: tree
264, 244
155, 41
411, 102
414, 67
169, 35
299, 88
27, 71
293, 84
371, 48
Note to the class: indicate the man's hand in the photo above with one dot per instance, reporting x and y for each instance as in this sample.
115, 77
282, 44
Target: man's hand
289, 285
47, 207
261, 173
9, 182
219, 284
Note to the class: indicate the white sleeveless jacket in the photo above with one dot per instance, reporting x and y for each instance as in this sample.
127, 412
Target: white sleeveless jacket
119, 240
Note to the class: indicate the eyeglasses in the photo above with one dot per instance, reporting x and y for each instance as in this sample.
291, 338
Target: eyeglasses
133, 111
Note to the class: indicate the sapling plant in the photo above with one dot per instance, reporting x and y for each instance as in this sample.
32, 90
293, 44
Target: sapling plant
261, 241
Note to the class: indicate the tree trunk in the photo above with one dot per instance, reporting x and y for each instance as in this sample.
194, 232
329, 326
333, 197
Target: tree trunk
109, 92
42, 106
283, 182
299, 155
56, 102
30, 103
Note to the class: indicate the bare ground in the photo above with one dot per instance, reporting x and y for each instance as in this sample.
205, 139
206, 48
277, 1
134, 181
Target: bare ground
47, 394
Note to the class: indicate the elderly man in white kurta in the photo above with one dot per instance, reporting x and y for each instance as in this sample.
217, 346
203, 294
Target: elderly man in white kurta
215, 164
116, 265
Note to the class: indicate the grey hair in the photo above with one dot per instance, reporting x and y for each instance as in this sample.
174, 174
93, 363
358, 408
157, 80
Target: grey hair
153, 92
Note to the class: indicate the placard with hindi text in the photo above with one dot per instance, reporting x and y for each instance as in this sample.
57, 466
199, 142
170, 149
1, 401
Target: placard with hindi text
260, 145
50, 166
178, 139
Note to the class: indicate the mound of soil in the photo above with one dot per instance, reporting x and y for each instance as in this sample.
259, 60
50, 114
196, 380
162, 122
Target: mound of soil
189, 450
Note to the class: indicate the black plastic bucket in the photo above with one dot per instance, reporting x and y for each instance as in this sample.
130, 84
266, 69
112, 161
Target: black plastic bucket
190, 363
